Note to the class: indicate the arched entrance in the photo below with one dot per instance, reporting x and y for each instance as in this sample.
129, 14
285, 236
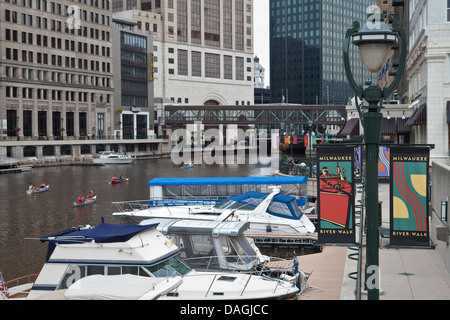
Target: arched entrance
211, 103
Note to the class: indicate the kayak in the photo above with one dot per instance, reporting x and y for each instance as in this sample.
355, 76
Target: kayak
39, 190
85, 202
116, 181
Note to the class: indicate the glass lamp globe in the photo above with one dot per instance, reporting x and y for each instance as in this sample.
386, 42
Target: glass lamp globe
374, 42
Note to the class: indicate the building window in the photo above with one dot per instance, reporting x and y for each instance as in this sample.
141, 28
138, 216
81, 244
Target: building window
182, 62
239, 68
27, 123
196, 64
228, 67
212, 65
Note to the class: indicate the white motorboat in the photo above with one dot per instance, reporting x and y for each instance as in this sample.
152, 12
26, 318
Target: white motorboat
76, 258
110, 157
265, 212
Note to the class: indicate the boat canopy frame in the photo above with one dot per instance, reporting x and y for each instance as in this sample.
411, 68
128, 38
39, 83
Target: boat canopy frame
166, 191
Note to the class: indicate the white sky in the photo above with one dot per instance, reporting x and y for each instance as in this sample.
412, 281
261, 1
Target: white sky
261, 35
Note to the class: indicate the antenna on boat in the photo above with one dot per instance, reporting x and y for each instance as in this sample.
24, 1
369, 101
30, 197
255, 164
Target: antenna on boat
262, 207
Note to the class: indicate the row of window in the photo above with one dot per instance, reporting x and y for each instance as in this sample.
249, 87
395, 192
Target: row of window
55, 95
58, 9
56, 25
212, 65
58, 120
56, 43
55, 7
56, 77
57, 61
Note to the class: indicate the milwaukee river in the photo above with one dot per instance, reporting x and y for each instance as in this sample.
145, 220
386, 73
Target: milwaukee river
25, 218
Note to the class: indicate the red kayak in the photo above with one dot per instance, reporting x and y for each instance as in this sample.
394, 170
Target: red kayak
116, 181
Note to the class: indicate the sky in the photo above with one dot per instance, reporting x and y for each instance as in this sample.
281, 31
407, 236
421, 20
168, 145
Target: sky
261, 35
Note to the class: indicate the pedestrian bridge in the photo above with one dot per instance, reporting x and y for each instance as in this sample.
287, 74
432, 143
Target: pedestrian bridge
260, 114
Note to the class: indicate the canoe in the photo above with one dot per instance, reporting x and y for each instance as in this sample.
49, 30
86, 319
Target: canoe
85, 202
39, 190
116, 181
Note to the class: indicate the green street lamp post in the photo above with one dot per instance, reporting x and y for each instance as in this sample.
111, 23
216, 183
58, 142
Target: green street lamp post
374, 41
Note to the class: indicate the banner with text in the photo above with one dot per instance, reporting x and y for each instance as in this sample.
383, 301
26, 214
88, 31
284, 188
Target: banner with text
335, 194
408, 196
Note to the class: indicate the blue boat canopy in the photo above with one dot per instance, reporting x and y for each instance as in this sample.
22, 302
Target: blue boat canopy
282, 205
228, 180
103, 233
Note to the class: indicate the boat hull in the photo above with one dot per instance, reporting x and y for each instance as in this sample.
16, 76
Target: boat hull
113, 161
38, 191
85, 202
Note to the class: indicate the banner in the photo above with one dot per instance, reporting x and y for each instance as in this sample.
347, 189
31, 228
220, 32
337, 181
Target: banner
335, 194
357, 164
383, 164
408, 196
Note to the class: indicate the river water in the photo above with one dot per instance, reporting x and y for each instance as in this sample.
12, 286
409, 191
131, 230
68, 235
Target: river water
24, 218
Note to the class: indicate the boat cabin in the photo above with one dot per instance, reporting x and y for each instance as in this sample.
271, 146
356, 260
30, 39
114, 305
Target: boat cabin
212, 245
209, 191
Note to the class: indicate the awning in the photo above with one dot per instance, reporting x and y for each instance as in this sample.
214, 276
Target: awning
402, 127
351, 128
419, 117
388, 126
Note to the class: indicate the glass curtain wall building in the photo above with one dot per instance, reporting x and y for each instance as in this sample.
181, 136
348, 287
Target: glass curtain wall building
306, 37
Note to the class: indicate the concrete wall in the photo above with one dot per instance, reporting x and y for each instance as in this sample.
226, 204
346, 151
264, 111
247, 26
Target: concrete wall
440, 191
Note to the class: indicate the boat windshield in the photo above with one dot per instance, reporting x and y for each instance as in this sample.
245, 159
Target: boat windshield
169, 268
223, 204
231, 204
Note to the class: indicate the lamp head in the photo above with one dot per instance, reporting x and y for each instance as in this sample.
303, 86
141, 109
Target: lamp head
374, 41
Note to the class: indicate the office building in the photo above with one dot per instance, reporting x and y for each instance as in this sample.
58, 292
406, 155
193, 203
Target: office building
133, 81
306, 64
55, 71
428, 72
202, 49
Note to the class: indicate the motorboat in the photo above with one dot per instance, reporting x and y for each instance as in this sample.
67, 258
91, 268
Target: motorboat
96, 263
110, 157
223, 246
265, 211
85, 202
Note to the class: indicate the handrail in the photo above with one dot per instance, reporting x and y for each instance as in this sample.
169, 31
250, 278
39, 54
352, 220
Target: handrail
20, 278
246, 284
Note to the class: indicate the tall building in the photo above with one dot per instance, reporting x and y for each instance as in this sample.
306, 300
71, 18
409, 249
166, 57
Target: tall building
306, 36
202, 49
133, 80
55, 70
428, 72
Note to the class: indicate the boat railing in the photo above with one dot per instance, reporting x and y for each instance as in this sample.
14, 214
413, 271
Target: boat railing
237, 263
127, 206
135, 205
18, 287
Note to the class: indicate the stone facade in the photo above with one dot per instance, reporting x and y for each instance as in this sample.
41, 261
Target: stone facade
428, 70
